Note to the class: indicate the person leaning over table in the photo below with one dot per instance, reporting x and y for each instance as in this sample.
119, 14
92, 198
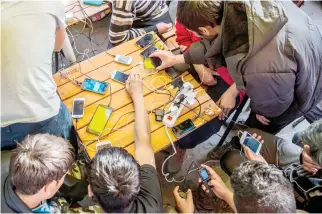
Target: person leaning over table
130, 19
273, 52
257, 188
31, 31
119, 182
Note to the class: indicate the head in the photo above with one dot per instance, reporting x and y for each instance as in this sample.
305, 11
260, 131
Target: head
114, 179
39, 164
312, 137
203, 18
261, 188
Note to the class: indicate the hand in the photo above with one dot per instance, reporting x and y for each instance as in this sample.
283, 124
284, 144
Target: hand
134, 86
168, 59
184, 205
163, 27
262, 119
216, 184
250, 154
226, 103
308, 163
205, 75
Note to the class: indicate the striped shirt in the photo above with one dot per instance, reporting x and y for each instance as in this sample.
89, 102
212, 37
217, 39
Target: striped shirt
127, 12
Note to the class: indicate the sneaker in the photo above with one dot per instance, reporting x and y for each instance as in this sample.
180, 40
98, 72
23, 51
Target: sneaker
216, 154
173, 165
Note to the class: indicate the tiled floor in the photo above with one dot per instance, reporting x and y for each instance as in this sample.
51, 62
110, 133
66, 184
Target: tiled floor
198, 154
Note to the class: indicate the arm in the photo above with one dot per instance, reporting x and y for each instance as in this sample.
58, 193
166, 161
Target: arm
59, 38
142, 135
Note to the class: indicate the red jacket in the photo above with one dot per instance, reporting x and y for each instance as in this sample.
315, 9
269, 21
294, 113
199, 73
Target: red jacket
186, 38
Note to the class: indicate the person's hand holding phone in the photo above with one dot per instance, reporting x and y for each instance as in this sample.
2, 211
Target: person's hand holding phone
168, 59
183, 205
163, 27
250, 154
134, 87
309, 164
216, 184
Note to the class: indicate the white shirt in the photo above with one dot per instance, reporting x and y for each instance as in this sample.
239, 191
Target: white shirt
28, 91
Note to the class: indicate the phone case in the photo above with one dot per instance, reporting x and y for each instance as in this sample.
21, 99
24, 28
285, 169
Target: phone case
92, 131
82, 87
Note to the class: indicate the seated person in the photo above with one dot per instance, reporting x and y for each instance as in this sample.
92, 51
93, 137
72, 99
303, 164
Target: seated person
118, 181
131, 19
218, 82
38, 167
289, 157
257, 188
29, 102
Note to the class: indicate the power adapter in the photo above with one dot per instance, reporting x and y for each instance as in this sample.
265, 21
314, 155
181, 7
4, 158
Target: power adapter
159, 114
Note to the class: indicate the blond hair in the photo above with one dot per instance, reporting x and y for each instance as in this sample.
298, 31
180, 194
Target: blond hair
38, 160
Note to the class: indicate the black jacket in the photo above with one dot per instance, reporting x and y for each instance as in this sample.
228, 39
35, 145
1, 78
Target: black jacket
10, 202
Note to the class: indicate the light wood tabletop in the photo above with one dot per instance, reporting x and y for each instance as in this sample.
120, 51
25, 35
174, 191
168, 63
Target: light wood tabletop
100, 68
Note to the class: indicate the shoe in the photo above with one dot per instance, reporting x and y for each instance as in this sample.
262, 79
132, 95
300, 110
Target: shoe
173, 165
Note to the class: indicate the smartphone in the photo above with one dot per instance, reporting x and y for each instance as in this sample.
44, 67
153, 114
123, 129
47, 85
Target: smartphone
176, 70
94, 86
156, 61
99, 119
103, 145
148, 51
145, 41
126, 60
78, 108
183, 128
205, 177
119, 76
248, 140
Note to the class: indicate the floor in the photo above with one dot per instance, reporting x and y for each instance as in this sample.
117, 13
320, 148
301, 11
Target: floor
198, 154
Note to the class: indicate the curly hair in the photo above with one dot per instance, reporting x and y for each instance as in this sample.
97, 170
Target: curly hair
312, 137
262, 188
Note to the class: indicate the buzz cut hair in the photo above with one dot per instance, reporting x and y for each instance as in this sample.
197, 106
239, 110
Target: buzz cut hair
38, 160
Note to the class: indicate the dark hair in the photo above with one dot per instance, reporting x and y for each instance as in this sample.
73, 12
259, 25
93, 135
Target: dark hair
261, 188
114, 177
38, 160
195, 14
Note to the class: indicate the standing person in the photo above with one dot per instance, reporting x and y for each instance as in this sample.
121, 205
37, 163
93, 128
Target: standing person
38, 167
121, 183
31, 31
131, 19
273, 51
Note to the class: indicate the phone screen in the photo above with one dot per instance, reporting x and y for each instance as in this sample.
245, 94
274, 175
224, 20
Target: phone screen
95, 86
251, 142
120, 76
145, 41
78, 107
123, 59
204, 174
183, 128
147, 52
99, 119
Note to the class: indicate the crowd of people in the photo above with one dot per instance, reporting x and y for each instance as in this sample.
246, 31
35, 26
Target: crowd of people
253, 48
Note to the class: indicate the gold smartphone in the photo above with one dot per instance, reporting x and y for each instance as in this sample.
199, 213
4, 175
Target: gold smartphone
99, 119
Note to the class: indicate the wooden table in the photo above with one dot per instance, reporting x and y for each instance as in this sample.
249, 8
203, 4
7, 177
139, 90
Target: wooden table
100, 67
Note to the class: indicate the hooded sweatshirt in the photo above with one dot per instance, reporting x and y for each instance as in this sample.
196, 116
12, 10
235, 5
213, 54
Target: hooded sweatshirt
273, 51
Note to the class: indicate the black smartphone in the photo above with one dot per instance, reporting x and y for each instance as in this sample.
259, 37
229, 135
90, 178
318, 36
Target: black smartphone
156, 61
177, 70
183, 128
145, 41
147, 52
205, 177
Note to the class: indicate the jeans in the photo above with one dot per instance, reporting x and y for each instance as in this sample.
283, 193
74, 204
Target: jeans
58, 125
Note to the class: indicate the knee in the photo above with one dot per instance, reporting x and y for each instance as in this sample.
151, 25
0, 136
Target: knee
230, 160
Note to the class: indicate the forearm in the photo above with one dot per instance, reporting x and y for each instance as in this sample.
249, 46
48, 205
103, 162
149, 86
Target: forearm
229, 198
233, 90
142, 134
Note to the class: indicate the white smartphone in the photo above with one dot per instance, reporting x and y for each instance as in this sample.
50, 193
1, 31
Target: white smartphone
103, 145
119, 76
126, 60
248, 140
78, 108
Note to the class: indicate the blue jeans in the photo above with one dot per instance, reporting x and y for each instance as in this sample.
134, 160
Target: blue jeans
58, 125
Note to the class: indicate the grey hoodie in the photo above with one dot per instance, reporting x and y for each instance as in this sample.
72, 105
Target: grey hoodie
273, 51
